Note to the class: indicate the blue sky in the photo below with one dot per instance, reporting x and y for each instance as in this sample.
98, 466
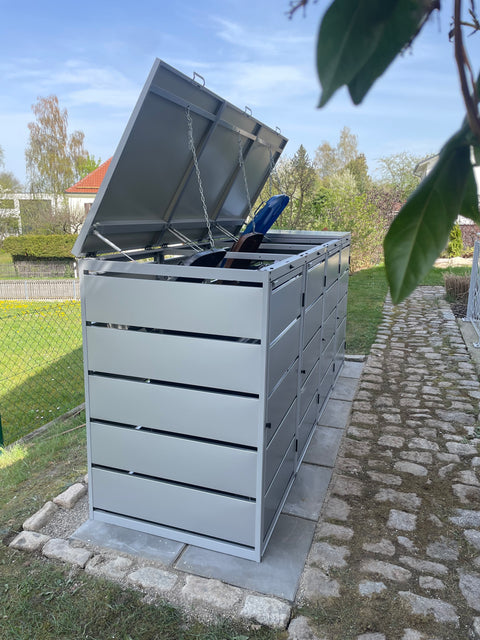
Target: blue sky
95, 56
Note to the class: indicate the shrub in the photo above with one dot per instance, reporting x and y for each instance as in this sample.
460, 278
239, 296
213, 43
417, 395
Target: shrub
30, 246
457, 288
455, 242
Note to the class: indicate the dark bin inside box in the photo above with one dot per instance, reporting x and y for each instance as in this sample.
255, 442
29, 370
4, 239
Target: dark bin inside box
203, 384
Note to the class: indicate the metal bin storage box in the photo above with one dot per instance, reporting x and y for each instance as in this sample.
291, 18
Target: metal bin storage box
203, 384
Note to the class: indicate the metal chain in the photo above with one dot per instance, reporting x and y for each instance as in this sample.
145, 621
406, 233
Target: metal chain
191, 146
242, 165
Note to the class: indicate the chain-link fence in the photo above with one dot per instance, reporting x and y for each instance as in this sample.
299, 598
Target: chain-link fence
41, 370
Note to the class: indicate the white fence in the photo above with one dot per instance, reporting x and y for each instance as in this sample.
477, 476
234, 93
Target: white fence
473, 308
40, 289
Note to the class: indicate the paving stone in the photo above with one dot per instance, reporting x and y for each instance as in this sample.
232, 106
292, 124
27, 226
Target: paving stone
211, 592
391, 441
384, 546
448, 468
407, 543
299, 629
364, 418
427, 432
410, 467
368, 588
462, 449
371, 636
107, 567
443, 549
268, 611
473, 537
386, 570
457, 417
422, 443
327, 530
469, 585
348, 465
476, 628
60, 549
447, 457
29, 541
324, 556
466, 493
466, 518
412, 634
476, 461
153, 578
337, 509
423, 457
356, 447
70, 496
468, 477
316, 584
427, 582
343, 486
386, 478
424, 565
41, 517
434, 520
441, 611
402, 520
405, 500
360, 433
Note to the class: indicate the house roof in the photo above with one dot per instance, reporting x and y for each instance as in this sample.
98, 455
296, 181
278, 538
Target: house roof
91, 183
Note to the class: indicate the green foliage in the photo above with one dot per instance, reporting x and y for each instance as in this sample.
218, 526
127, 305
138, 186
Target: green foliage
7, 204
455, 242
8, 226
357, 42
331, 160
340, 207
397, 171
87, 165
39, 246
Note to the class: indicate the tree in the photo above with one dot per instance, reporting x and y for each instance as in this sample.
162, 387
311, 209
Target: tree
87, 165
53, 155
8, 182
354, 48
296, 178
330, 160
397, 170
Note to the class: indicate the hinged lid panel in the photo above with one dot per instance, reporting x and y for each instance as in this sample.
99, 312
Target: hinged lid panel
151, 192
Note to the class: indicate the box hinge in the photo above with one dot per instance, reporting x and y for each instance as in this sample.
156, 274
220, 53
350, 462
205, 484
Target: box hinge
296, 445
303, 299
318, 398
268, 425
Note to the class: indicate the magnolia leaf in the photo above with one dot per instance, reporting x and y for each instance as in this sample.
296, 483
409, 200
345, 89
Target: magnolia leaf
469, 206
396, 32
420, 231
348, 37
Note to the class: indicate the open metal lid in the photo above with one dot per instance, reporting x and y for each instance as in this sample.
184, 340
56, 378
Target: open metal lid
150, 195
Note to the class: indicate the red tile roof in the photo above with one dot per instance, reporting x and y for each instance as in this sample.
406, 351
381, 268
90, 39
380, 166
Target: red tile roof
92, 182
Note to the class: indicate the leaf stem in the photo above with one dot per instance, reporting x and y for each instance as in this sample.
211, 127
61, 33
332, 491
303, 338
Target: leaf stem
463, 63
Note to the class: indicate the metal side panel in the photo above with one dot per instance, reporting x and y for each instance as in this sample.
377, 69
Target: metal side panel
329, 326
315, 282
331, 298
201, 464
312, 320
342, 308
220, 364
282, 353
171, 505
332, 269
344, 260
310, 355
309, 390
324, 387
340, 335
307, 426
284, 306
279, 444
276, 491
179, 306
280, 400
216, 416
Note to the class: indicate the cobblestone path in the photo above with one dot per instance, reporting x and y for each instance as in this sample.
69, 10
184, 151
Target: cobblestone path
396, 553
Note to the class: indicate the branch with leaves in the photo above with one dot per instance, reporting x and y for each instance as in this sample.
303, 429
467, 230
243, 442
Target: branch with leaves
357, 42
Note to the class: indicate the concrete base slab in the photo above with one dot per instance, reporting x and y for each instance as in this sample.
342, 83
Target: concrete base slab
308, 492
352, 369
344, 388
278, 573
136, 543
323, 447
336, 414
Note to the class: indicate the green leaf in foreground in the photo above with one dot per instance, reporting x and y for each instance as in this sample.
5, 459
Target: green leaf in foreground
347, 38
395, 33
420, 231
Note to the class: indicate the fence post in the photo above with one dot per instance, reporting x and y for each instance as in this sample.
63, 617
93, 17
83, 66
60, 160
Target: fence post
25, 287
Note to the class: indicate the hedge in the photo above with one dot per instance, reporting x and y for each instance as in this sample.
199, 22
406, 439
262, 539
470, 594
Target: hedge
31, 246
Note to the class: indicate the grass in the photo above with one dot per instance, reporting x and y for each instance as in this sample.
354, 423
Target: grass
43, 600
43, 374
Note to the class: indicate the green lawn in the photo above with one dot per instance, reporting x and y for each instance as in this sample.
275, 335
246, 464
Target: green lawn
41, 369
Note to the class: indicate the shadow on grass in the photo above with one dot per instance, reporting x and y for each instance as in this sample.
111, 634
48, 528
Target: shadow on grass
47, 394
